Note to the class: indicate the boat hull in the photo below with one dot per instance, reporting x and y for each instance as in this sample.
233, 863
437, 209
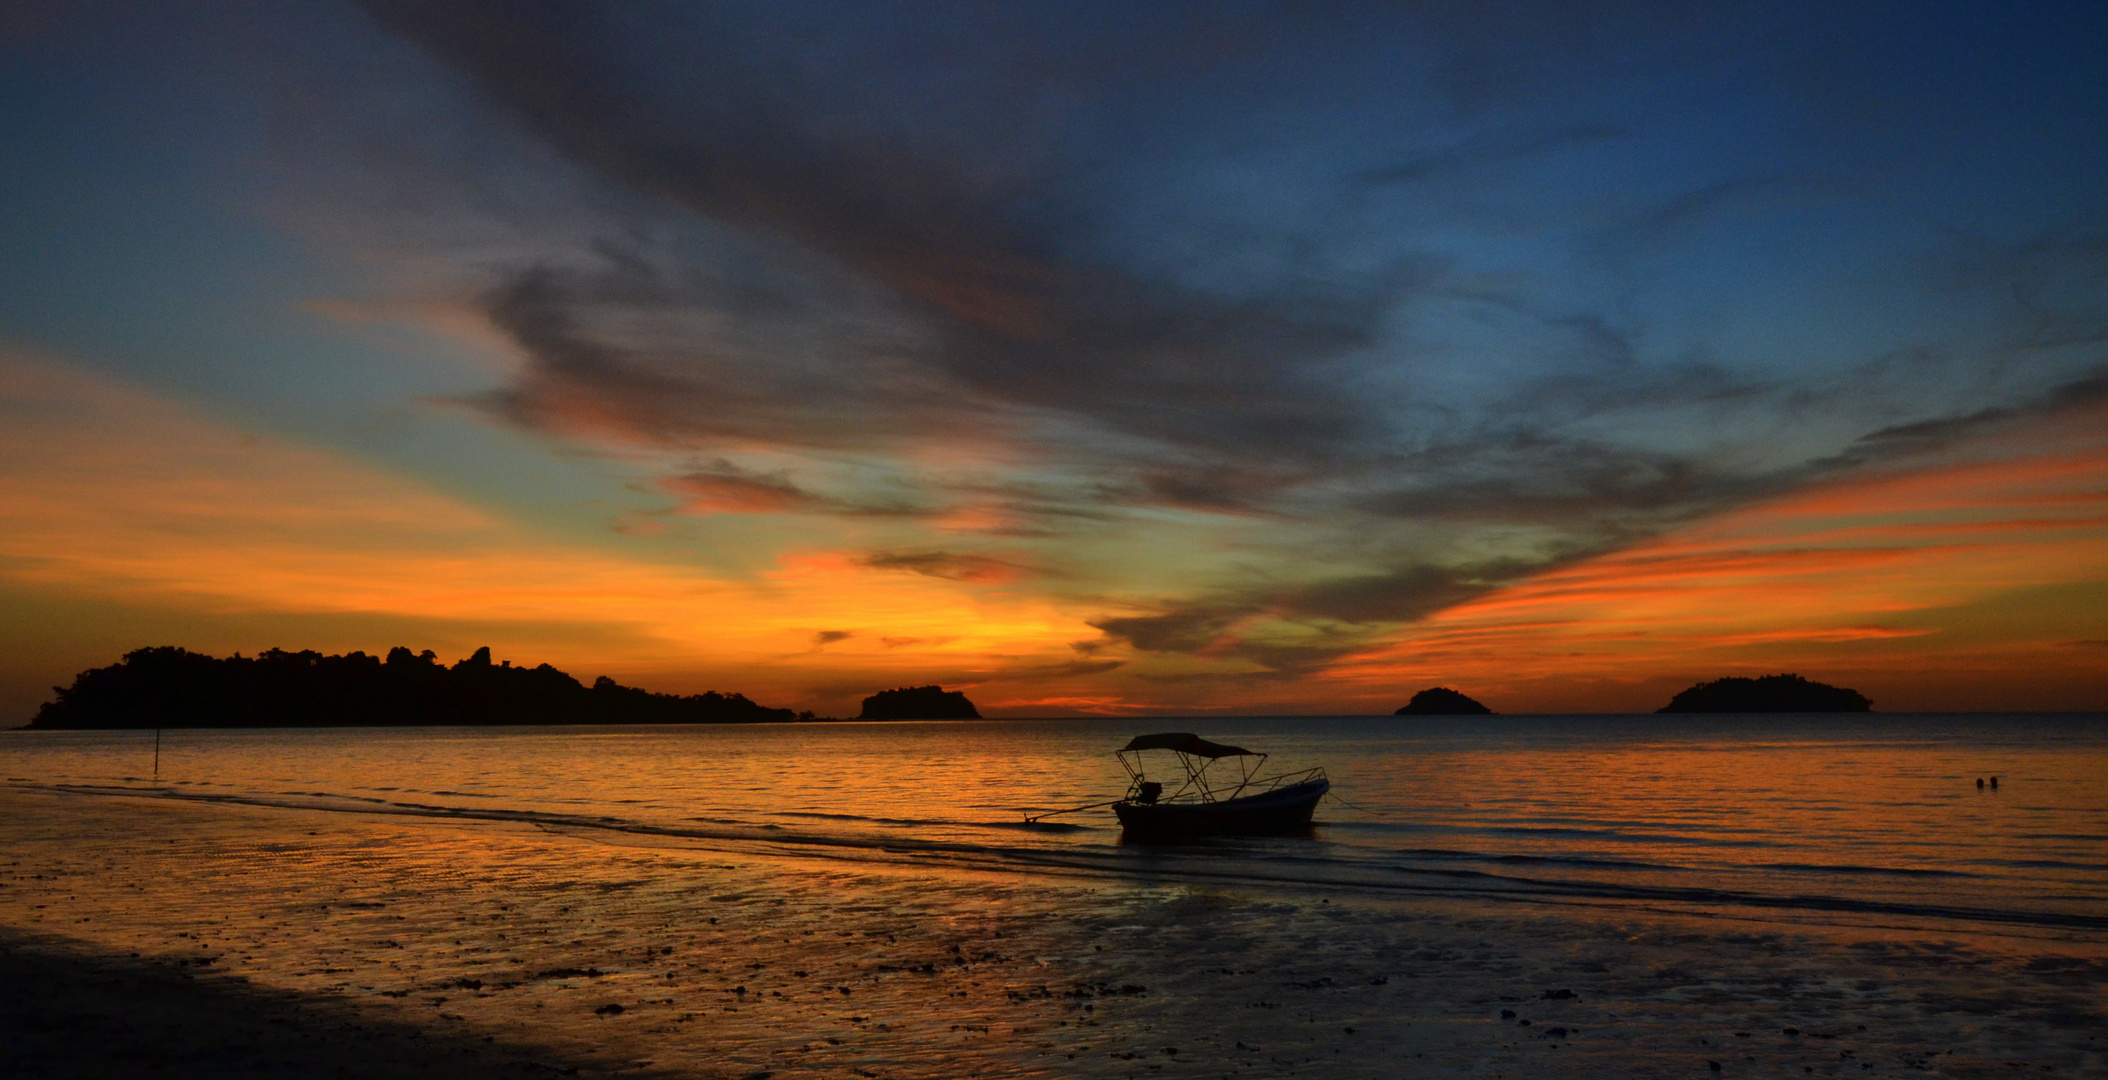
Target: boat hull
1282, 810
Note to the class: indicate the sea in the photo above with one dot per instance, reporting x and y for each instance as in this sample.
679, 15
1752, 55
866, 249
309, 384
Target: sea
1978, 820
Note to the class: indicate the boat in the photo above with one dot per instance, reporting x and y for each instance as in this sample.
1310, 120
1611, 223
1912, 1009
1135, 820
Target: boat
1199, 804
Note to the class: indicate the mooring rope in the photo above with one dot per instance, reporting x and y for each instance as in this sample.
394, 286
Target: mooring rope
1363, 809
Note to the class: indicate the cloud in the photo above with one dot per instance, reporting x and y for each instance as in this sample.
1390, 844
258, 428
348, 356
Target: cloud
1190, 630
1304, 336
1490, 151
725, 490
829, 637
978, 569
1001, 317
1289, 633
1409, 593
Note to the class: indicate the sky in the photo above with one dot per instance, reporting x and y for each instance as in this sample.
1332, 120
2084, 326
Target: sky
1112, 358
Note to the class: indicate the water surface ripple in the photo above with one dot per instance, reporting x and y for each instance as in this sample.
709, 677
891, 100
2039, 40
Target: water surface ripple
1876, 814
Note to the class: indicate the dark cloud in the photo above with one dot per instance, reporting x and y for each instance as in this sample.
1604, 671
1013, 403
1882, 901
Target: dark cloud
1490, 150
975, 258
1330, 618
1157, 261
829, 637
1035, 672
1408, 593
981, 569
726, 490
1575, 482
1191, 630
1939, 433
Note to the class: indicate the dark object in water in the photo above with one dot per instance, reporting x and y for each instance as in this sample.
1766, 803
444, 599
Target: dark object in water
1250, 805
1994, 783
1770, 694
918, 703
1442, 701
1979, 783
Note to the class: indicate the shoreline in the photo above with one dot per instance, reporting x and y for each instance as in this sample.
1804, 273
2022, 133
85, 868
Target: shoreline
1491, 719
519, 939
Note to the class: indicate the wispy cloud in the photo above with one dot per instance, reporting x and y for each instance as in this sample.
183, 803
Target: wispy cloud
1274, 333
979, 569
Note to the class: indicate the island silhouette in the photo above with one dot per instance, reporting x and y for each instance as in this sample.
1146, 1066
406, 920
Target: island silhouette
1769, 694
1442, 701
918, 703
173, 687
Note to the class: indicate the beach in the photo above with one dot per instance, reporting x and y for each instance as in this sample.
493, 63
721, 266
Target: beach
152, 932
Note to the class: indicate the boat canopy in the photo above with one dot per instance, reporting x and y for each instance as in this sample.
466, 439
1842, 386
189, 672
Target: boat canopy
1186, 743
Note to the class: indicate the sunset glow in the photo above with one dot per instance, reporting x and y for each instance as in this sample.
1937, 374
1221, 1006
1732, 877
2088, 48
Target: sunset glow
1283, 367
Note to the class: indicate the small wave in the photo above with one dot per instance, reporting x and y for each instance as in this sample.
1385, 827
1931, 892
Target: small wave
1828, 868
1607, 834
2044, 864
1055, 827
1434, 854
820, 816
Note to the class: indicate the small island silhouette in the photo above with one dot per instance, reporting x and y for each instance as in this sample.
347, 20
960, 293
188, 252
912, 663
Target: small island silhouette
172, 687
1769, 694
1442, 701
918, 703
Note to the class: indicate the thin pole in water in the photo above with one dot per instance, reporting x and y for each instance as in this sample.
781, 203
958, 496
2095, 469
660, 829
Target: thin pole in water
157, 755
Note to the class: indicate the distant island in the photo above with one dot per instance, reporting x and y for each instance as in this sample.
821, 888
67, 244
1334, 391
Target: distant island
1770, 694
1442, 701
177, 688
918, 703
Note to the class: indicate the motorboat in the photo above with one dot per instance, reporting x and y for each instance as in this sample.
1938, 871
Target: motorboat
1204, 803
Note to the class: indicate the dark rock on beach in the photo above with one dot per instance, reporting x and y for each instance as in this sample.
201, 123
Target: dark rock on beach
918, 703
1442, 701
1770, 694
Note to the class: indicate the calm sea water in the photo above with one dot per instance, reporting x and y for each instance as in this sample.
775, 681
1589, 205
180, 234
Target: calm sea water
1878, 816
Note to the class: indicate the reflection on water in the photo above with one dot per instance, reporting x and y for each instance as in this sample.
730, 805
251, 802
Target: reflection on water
1789, 813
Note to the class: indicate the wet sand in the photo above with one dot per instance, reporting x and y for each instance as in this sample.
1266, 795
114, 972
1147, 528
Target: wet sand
150, 936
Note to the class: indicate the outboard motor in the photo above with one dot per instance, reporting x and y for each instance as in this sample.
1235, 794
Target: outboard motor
1148, 793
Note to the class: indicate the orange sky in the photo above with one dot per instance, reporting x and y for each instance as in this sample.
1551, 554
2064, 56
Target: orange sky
1945, 582
1970, 581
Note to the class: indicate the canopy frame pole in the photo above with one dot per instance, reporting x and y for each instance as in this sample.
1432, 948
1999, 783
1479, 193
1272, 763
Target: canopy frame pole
1246, 772
1196, 779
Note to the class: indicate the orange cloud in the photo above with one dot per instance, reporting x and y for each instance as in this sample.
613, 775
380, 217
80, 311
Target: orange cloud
114, 496
731, 493
1950, 584
1957, 582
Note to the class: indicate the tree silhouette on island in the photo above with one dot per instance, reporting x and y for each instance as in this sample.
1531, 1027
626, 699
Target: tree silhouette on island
1442, 701
177, 688
918, 703
1769, 694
